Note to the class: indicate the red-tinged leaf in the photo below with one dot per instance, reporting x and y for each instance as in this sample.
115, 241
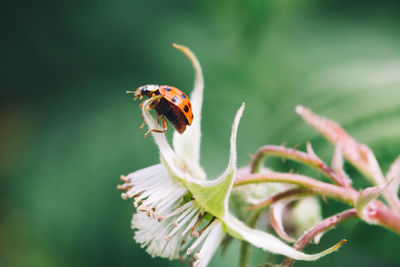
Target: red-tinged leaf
358, 154
337, 164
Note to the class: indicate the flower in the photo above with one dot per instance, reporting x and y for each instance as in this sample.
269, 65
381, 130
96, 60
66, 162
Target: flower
180, 211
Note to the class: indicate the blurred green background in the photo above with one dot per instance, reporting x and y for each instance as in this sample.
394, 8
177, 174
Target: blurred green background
68, 130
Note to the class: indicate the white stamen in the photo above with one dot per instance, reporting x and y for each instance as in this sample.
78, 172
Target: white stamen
192, 223
199, 239
183, 222
177, 211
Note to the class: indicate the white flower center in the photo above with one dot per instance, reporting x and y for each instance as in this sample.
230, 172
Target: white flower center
169, 222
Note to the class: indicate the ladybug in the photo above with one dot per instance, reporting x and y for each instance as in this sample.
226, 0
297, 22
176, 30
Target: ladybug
174, 105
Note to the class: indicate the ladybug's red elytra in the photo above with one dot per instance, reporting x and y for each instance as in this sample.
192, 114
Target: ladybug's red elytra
174, 104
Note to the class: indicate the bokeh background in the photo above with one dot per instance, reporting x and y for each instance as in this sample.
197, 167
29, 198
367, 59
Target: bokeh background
68, 130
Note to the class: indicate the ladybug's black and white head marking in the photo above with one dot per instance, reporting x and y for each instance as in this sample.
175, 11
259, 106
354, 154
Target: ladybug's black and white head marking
147, 90
150, 88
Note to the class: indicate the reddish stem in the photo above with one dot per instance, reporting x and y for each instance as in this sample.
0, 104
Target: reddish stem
298, 191
347, 195
319, 228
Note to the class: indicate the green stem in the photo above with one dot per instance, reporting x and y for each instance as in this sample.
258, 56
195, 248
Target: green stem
245, 246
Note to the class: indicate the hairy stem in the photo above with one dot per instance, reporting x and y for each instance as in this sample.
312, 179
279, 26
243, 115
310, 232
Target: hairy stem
347, 195
319, 228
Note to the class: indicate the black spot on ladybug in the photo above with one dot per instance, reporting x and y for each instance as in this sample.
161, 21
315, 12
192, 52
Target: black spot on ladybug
167, 89
186, 108
189, 105
174, 99
183, 96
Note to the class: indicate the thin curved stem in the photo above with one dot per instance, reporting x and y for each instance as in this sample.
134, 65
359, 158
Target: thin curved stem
293, 192
307, 158
319, 228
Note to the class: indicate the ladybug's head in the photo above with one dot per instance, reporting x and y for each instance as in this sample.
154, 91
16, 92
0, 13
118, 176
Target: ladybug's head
146, 90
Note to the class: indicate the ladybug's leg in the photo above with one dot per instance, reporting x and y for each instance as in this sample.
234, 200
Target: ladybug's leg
158, 117
154, 130
154, 104
151, 106
158, 120
144, 122
164, 125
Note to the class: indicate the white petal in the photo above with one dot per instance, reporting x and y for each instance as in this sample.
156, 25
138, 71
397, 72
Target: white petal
213, 195
187, 144
269, 242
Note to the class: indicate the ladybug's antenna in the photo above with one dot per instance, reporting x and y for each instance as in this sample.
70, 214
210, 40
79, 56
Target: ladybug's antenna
136, 96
